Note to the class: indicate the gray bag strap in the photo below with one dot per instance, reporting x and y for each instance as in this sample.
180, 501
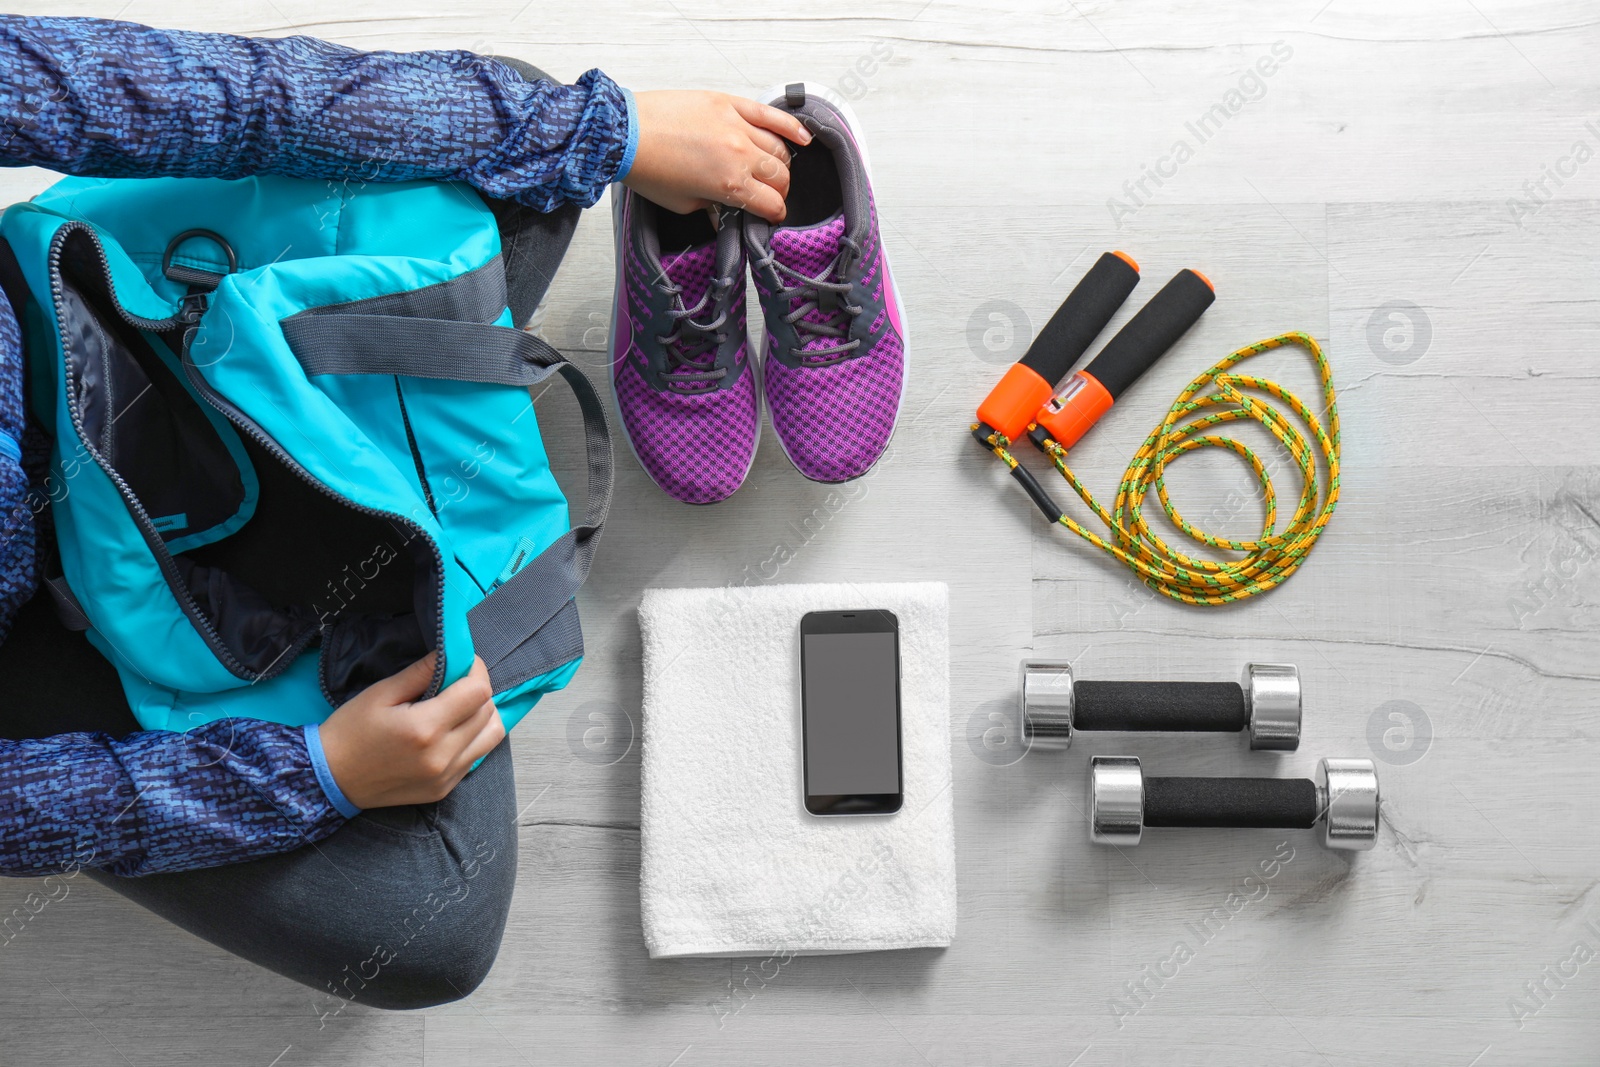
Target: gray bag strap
420, 348
529, 624
509, 626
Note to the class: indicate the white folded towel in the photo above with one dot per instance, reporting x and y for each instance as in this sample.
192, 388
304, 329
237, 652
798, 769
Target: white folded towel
732, 864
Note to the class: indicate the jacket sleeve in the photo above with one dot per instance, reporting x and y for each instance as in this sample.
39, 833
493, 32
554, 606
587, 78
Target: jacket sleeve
114, 99
231, 790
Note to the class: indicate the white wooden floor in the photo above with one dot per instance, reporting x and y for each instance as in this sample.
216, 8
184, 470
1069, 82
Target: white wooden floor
1387, 159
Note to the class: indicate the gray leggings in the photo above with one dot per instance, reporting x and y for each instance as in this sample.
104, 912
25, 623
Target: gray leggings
399, 908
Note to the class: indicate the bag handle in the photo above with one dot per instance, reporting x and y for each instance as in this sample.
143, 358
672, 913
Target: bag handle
529, 625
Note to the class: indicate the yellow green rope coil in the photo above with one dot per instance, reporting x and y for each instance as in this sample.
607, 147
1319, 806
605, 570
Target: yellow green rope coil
1218, 397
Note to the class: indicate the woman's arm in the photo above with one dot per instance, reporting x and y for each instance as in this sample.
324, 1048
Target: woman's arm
237, 789
155, 801
115, 99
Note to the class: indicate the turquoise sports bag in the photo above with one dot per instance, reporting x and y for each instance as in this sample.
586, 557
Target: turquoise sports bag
294, 442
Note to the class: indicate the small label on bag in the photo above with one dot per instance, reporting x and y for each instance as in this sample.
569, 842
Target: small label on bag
524, 552
169, 523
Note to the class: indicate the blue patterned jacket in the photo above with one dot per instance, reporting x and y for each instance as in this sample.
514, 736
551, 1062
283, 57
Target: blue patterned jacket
114, 99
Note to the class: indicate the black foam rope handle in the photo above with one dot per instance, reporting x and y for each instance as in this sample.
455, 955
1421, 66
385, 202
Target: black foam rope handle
1080, 318
1150, 333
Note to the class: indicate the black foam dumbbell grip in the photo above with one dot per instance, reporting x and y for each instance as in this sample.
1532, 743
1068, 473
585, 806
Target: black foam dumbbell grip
1159, 706
1080, 318
1287, 803
1149, 334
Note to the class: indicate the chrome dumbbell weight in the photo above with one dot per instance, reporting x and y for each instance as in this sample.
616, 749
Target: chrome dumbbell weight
1265, 702
1342, 800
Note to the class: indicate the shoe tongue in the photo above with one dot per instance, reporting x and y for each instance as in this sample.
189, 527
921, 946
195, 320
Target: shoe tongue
811, 251
690, 270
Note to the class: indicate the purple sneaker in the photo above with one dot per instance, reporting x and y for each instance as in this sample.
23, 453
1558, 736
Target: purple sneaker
835, 361
680, 364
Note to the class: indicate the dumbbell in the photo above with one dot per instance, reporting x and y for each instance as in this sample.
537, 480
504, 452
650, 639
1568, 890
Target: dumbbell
1343, 799
1265, 701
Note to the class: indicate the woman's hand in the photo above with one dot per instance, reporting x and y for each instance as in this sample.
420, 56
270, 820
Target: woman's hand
700, 148
386, 747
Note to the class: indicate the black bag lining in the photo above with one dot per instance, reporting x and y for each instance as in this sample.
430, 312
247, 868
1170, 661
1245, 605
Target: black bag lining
138, 416
325, 564
304, 567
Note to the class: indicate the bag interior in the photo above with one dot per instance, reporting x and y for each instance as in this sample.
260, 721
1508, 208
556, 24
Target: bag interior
139, 416
303, 568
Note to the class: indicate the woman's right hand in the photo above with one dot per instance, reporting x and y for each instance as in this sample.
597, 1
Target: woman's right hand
701, 148
386, 747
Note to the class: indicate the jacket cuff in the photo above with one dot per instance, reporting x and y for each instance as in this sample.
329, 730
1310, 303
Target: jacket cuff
569, 144
632, 147
319, 763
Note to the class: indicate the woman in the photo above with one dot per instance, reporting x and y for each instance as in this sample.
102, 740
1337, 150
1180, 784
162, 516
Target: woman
358, 857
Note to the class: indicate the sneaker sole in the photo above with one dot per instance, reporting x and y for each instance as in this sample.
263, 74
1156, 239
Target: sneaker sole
773, 97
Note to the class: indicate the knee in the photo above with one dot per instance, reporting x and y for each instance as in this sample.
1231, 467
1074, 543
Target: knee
438, 923
442, 951
446, 966
427, 986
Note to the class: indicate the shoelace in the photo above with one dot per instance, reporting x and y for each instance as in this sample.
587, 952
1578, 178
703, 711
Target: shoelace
689, 344
820, 294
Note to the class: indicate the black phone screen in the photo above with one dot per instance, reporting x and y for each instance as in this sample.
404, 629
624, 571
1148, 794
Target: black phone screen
850, 689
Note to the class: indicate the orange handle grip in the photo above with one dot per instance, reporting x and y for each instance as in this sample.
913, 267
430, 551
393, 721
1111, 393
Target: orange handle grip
1011, 404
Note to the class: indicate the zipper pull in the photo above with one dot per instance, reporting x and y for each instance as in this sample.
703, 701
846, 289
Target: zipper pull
193, 306
191, 309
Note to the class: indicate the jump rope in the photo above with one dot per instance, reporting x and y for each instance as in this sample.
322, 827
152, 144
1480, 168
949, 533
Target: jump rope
1027, 401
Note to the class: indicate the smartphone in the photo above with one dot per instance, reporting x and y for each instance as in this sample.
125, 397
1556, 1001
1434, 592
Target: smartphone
850, 712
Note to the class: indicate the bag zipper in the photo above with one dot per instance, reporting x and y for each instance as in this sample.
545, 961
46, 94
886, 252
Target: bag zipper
188, 317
